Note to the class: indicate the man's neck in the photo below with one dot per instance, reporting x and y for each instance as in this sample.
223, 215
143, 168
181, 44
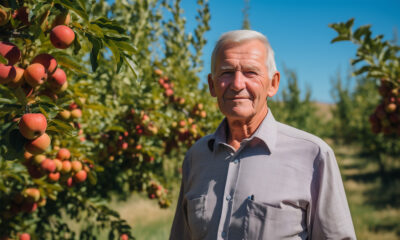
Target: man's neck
239, 130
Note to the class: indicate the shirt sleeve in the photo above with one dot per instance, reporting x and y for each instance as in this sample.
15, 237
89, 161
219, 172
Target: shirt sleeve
331, 218
180, 230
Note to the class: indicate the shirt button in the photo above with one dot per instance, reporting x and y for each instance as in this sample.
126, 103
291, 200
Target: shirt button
223, 234
235, 161
228, 197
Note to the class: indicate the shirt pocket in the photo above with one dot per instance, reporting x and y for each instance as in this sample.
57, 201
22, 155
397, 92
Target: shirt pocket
263, 221
196, 217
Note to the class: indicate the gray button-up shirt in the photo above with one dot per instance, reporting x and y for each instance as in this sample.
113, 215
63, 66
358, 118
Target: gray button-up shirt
282, 183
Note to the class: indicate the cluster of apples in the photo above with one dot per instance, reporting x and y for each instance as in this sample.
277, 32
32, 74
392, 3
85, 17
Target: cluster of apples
27, 201
43, 67
33, 127
168, 88
156, 191
61, 168
386, 117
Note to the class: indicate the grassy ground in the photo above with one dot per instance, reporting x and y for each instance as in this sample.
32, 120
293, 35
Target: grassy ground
375, 206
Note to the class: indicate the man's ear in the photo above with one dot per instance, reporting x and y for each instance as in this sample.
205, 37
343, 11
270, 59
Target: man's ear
211, 86
274, 84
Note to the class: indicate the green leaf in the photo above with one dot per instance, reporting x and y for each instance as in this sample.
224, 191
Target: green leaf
363, 30
127, 47
109, 24
3, 60
60, 126
77, 44
131, 64
94, 54
68, 62
75, 7
340, 38
362, 70
114, 49
96, 30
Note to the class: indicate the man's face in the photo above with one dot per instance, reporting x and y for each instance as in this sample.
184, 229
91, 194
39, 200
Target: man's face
241, 83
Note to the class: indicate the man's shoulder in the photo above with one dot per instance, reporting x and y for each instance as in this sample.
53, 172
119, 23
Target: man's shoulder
302, 137
201, 145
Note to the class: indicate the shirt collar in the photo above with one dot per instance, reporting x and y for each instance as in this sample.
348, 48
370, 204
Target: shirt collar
266, 132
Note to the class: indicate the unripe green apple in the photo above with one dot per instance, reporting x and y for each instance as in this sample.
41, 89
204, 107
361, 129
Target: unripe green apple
65, 114
38, 159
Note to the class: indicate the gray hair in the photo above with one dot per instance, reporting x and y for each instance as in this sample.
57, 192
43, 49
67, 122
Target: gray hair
239, 36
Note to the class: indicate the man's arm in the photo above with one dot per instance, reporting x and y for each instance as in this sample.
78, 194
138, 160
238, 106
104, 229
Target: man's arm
180, 230
331, 214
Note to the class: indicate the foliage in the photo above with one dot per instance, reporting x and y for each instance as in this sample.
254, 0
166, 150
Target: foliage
291, 108
134, 92
377, 88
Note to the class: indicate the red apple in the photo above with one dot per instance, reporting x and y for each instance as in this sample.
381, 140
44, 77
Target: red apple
63, 154
62, 19
62, 36
35, 74
76, 166
32, 125
57, 79
48, 165
7, 73
70, 182
29, 207
124, 236
32, 194
11, 52
76, 113
25, 236
22, 14
58, 164
38, 145
18, 79
48, 61
54, 177
66, 167
80, 176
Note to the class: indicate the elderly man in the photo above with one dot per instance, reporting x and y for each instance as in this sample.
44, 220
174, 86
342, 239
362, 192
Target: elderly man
256, 178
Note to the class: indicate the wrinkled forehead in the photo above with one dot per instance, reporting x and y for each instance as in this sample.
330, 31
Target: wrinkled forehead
247, 51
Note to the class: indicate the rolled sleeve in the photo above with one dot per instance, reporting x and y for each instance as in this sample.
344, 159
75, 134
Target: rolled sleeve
331, 214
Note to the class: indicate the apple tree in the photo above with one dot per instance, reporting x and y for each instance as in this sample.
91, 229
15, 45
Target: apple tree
377, 66
97, 100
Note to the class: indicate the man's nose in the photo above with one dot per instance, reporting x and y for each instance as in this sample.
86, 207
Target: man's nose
238, 82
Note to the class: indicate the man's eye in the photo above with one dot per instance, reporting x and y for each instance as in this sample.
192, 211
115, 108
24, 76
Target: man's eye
250, 74
226, 73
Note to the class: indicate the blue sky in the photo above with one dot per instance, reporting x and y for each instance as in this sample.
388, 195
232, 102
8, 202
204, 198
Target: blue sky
299, 34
